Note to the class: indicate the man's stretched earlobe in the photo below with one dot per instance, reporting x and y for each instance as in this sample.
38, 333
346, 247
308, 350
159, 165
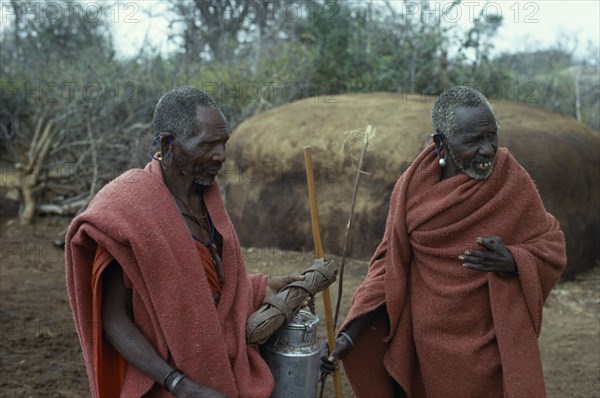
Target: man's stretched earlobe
439, 147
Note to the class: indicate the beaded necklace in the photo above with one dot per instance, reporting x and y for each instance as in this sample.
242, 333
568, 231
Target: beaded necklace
210, 245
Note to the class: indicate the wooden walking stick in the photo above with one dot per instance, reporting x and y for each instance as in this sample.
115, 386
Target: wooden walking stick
316, 233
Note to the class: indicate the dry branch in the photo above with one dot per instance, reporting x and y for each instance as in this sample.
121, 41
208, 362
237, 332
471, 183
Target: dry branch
30, 175
64, 209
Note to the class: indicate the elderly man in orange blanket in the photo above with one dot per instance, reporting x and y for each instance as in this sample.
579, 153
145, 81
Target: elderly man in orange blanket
155, 274
452, 302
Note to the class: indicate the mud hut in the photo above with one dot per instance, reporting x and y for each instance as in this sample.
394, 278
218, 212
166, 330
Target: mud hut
265, 182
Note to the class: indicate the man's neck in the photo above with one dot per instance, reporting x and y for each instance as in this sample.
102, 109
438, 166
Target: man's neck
181, 186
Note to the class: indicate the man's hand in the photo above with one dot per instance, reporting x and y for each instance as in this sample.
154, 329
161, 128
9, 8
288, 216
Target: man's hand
494, 257
276, 283
329, 361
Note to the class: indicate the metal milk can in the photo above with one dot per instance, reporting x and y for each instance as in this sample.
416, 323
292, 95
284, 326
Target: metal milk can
293, 355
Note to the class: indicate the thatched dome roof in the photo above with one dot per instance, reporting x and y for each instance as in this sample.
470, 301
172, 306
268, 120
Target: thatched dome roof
265, 183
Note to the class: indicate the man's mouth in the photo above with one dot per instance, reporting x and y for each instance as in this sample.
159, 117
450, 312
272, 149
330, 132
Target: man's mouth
212, 169
483, 165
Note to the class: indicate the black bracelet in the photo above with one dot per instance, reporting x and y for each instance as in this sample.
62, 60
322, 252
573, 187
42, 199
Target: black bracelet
167, 376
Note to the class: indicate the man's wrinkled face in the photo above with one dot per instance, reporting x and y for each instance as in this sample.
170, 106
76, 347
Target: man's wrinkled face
202, 153
475, 143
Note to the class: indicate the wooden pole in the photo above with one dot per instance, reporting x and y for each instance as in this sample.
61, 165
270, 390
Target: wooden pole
316, 233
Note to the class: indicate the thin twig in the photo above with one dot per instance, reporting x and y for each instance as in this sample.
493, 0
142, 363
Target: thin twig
42, 149
322, 381
369, 131
94, 160
32, 153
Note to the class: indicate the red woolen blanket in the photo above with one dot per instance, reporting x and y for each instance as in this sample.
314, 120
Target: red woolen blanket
454, 331
136, 219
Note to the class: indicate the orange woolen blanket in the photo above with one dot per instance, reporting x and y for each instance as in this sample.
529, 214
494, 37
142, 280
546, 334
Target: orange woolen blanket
136, 219
453, 331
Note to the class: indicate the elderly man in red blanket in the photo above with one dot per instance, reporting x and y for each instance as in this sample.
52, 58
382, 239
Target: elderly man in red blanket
156, 279
452, 302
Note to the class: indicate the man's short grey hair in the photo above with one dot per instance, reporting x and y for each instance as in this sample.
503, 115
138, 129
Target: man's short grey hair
442, 114
176, 111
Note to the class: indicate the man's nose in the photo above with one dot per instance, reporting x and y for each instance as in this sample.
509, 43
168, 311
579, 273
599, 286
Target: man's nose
219, 153
487, 149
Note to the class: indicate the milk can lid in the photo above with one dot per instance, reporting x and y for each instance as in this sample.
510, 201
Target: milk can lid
303, 320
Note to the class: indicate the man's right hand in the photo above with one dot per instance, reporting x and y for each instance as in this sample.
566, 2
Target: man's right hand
187, 388
329, 360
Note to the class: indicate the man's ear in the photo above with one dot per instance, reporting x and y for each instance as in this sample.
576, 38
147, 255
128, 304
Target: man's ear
166, 142
438, 140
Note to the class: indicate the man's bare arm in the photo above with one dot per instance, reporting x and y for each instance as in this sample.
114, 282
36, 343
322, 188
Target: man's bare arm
124, 335
345, 341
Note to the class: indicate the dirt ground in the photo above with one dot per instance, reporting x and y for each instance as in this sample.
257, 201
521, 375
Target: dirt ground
40, 354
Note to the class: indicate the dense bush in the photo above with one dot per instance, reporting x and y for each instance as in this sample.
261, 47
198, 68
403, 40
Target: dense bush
73, 115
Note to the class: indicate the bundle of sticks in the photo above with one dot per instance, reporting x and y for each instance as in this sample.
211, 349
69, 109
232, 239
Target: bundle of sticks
280, 308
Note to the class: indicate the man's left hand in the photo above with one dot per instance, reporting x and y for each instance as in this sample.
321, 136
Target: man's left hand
494, 257
276, 283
